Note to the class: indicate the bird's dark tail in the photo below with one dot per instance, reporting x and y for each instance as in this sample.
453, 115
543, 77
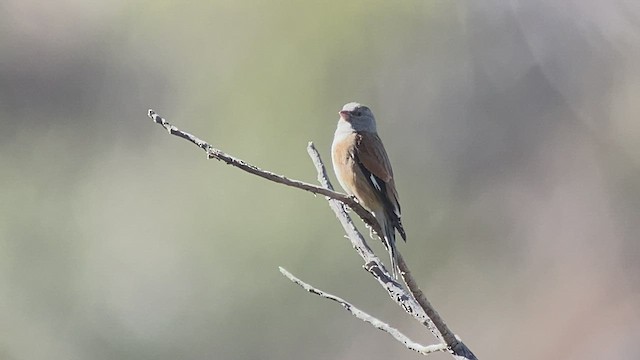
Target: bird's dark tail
390, 242
393, 255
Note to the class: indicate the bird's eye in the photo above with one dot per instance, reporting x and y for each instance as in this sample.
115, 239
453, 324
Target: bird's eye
357, 113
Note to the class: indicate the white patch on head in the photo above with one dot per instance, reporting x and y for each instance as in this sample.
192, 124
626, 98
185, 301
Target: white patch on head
351, 106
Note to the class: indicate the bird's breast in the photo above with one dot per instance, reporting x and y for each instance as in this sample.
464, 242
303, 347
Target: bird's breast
343, 158
348, 172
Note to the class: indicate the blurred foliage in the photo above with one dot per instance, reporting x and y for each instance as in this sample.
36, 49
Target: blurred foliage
512, 128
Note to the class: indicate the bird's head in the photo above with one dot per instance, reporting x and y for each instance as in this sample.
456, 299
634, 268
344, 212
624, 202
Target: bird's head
359, 116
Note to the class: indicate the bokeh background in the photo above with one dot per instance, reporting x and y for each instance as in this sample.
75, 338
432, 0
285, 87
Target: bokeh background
512, 126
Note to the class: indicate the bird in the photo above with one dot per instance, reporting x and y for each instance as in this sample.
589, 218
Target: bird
362, 167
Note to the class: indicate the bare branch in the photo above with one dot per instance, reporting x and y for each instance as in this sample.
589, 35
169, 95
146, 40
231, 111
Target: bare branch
213, 153
456, 345
378, 324
422, 311
415, 304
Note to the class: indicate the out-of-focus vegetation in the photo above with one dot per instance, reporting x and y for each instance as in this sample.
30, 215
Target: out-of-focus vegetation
512, 126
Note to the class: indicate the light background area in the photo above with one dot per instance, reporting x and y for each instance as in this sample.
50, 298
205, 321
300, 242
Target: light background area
512, 126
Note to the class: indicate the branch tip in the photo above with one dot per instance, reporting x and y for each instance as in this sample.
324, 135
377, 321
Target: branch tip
361, 315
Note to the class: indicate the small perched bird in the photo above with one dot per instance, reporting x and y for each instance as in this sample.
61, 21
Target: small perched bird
363, 169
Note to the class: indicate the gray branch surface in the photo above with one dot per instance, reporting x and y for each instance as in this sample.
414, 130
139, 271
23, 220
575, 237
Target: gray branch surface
414, 303
378, 324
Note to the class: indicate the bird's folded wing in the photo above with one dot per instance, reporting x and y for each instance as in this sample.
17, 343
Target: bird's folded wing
371, 153
373, 159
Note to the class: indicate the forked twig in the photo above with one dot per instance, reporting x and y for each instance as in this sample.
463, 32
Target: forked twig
378, 324
414, 303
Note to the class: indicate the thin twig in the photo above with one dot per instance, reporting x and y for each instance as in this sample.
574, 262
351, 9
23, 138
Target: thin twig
213, 153
378, 324
414, 304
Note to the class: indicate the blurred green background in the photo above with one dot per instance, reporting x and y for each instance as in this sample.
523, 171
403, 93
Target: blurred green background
512, 127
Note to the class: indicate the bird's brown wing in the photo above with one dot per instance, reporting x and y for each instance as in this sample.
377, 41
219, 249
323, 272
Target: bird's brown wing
374, 162
371, 153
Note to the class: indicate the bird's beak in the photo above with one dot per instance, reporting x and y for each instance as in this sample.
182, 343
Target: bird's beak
344, 114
